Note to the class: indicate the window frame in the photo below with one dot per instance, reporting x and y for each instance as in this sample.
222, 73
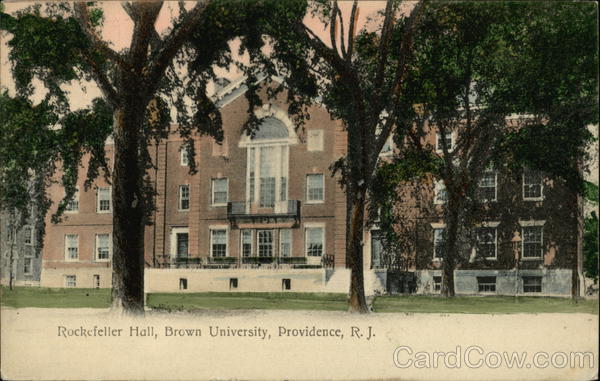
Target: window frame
98, 200
530, 277
438, 188
27, 260
74, 201
479, 187
181, 199
67, 256
67, 283
290, 243
28, 239
435, 241
96, 247
265, 244
211, 240
242, 243
538, 198
438, 136
315, 201
184, 159
212, 198
481, 285
308, 227
494, 227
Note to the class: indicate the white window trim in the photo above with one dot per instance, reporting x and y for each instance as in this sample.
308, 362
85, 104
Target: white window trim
252, 251
258, 242
67, 283
495, 285
270, 110
440, 149
311, 225
306, 189
281, 241
495, 199
95, 256
30, 259
494, 226
31, 235
541, 198
437, 188
317, 146
75, 198
218, 227
184, 159
109, 200
180, 199
525, 224
212, 192
173, 239
66, 249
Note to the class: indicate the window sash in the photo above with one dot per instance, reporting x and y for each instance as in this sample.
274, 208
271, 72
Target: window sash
104, 198
219, 191
73, 204
72, 246
70, 280
532, 284
486, 242
532, 241
314, 242
102, 246
219, 243
27, 265
184, 197
487, 187
265, 243
285, 243
314, 187
532, 185
246, 238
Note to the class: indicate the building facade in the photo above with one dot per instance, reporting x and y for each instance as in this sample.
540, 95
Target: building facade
264, 213
20, 254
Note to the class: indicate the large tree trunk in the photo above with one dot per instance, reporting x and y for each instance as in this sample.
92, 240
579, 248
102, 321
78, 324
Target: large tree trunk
128, 223
450, 250
354, 247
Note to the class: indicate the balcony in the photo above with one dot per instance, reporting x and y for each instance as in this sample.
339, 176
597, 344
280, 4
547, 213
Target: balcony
282, 212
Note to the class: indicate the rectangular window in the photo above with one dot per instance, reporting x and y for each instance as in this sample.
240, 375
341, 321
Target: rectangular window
267, 192
268, 163
233, 283
182, 245
218, 239
440, 193
97, 281
71, 247
314, 188
286, 284
376, 249
487, 186
183, 283
285, 243
246, 243
102, 247
184, 197
27, 266
314, 242
219, 192
449, 142
532, 185
184, 157
27, 235
486, 284
314, 141
438, 243
265, 243
486, 242
104, 196
70, 281
437, 283
73, 204
532, 241
532, 284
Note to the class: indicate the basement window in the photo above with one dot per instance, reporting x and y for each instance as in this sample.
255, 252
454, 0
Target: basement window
532, 284
286, 284
183, 283
486, 283
233, 283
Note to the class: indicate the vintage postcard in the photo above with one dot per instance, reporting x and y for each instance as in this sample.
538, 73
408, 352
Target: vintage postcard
299, 190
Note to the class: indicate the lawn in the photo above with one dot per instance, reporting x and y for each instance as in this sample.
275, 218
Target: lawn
21, 297
482, 305
249, 301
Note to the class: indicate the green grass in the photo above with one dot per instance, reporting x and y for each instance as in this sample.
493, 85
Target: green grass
249, 301
21, 297
482, 305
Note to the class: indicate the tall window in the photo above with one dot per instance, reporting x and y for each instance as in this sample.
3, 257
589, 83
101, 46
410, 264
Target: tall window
376, 249
449, 142
314, 242
184, 159
27, 235
267, 164
285, 243
265, 243
486, 242
314, 188
219, 192
487, 186
218, 243
27, 265
532, 185
182, 245
71, 247
246, 242
104, 196
440, 193
184, 197
102, 247
532, 241
438, 243
73, 204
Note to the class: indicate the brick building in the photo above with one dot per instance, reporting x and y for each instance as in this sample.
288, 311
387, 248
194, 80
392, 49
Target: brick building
263, 213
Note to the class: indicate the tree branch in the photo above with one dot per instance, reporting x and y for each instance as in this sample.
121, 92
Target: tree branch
102, 80
351, 30
143, 29
132, 13
83, 19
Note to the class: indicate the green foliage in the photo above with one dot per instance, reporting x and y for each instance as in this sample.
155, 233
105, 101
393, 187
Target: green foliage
591, 192
590, 247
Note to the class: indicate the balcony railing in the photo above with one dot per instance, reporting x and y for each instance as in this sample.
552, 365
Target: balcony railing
245, 262
242, 211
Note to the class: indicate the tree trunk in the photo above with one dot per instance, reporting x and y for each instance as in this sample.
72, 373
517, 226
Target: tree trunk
354, 247
128, 223
450, 250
